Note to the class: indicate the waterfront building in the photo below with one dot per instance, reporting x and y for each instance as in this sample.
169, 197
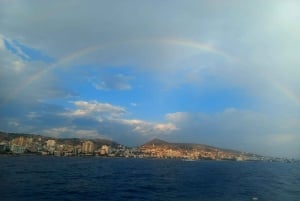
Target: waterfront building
21, 141
87, 147
105, 150
50, 143
17, 149
51, 146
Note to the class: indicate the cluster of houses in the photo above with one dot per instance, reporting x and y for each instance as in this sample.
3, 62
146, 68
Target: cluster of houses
21, 145
190, 154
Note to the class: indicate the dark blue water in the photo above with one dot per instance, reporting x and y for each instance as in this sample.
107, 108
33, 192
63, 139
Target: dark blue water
117, 179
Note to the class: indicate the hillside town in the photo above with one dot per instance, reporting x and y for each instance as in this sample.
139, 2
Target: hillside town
12, 144
61, 147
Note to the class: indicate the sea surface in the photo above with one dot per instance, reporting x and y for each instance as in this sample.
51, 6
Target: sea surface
117, 179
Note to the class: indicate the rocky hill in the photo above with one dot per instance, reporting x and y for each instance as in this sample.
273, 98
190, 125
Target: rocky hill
161, 149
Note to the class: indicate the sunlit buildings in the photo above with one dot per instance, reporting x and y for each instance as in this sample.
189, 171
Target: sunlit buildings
18, 145
50, 143
17, 149
87, 147
104, 150
50, 146
22, 141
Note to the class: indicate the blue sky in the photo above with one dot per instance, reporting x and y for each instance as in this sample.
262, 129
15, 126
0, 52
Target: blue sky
223, 73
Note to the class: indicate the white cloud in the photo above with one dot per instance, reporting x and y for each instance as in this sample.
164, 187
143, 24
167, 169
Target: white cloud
107, 113
165, 128
96, 109
177, 116
149, 128
72, 132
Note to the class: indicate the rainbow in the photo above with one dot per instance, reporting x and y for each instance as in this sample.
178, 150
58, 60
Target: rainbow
197, 45
289, 93
202, 47
63, 62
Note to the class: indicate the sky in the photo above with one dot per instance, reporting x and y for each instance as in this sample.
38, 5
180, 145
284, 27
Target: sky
222, 73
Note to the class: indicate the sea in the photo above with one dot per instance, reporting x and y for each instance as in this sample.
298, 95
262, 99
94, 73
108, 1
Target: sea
30, 178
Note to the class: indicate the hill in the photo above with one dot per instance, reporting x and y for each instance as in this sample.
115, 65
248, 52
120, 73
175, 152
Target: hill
161, 149
156, 142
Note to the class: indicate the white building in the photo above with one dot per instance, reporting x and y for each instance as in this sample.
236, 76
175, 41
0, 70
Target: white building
104, 150
50, 143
